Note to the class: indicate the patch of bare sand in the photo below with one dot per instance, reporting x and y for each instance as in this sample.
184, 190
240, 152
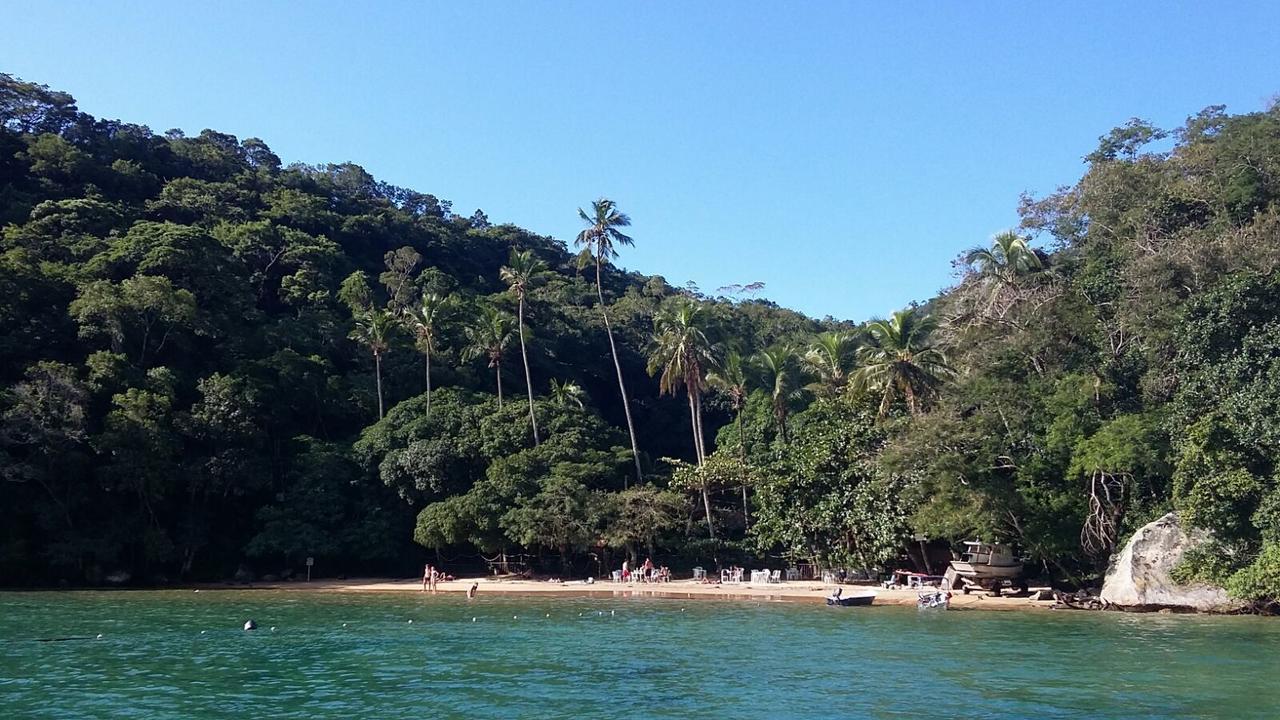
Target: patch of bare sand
794, 591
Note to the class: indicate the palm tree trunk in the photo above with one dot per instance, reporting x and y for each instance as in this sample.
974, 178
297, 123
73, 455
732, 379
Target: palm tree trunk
626, 406
528, 379
706, 504
742, 462
702, 441
377, 372
428, 353
497, 371
693, 425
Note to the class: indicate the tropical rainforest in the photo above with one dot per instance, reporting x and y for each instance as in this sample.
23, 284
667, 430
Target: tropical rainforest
212, 361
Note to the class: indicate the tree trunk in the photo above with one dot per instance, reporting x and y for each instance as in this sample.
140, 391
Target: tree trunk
693, 426
497, 371
377, 372
428, 383
626, 406
528, 379
742, 462
706, 504
697, 421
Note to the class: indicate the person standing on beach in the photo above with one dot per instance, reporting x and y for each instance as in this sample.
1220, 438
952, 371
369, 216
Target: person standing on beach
435, 575
426, 576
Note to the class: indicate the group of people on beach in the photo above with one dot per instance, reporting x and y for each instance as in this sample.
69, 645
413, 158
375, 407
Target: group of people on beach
431, 576
647, 572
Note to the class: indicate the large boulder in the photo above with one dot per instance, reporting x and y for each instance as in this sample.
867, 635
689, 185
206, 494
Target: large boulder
1139, 576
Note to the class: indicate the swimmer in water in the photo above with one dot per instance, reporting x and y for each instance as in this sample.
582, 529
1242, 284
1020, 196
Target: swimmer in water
471, 591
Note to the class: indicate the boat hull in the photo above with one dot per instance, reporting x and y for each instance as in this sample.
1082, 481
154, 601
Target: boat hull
983, 572
851, 601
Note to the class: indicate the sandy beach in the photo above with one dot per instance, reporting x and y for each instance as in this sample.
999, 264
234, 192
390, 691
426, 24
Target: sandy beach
794, 591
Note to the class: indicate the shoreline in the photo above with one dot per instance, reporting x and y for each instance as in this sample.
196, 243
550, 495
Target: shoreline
789, 591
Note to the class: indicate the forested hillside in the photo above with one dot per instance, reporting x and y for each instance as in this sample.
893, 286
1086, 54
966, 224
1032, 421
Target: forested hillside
210, 359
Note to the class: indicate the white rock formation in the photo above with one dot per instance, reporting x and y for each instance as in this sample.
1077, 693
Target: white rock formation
1138, 577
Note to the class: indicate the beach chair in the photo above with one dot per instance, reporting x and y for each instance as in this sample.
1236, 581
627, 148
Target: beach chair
617, 576
775, 576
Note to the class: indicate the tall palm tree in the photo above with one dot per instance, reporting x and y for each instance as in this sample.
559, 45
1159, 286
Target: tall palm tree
829, 358
682, 352
601, 236
523, 271
731, 379
778, 363
489, 338
900, 362
567, 393
373, 330
1009, 257
424, 321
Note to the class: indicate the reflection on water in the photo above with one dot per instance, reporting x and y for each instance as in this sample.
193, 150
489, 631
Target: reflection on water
183, 654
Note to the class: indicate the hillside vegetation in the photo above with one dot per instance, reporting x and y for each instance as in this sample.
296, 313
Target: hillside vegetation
210, 359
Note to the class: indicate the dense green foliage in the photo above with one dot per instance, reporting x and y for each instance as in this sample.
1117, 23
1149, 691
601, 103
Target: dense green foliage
209, 358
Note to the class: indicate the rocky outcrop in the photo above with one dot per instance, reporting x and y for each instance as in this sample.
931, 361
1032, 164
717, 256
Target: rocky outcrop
1139, 576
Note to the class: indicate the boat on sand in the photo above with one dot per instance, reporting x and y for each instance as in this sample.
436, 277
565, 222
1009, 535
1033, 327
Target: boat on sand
986, 565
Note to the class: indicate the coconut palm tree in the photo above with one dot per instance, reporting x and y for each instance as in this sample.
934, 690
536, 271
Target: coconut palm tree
567, 393
1009, 257
731, 379
778, 363
601, 236
899, 362
682, 352
424, 320
489, 338
829, 358
373, 330
523, 271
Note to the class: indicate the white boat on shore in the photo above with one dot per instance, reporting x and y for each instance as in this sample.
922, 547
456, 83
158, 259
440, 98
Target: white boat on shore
987, 565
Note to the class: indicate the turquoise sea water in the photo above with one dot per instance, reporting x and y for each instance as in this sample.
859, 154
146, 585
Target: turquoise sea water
183, 655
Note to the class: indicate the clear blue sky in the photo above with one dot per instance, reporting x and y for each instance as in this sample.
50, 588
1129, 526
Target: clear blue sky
842, 153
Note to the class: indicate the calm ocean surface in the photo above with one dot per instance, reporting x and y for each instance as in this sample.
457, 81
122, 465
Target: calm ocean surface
183, 655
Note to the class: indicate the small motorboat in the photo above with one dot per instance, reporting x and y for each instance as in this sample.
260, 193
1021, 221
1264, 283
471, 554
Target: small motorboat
934, 599
840, 600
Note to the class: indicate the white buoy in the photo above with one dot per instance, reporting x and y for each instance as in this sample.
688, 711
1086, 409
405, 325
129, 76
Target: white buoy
99, 636
273, 628
473, 619
202, 632
410, 621
344, 624
611, 612
515, 617
548, 614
